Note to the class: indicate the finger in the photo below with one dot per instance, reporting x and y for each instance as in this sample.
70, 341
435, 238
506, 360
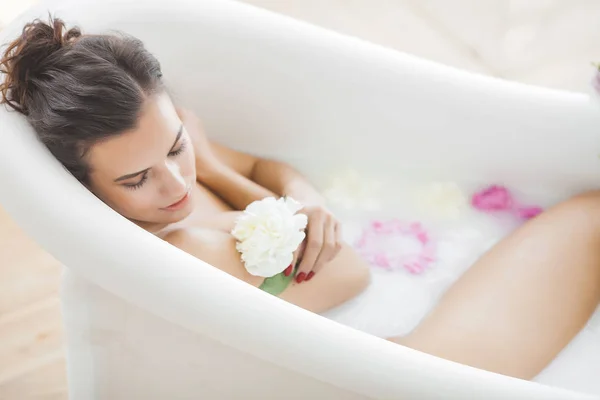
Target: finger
297, 254
339, 240
328, 248
314, 243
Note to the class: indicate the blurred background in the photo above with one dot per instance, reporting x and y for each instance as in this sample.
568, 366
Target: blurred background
550, 43
542, 42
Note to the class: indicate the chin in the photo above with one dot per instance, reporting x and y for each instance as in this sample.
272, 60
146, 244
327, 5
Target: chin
176, 216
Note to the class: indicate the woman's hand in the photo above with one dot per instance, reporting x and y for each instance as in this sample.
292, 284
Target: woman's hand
206, 160
322, 243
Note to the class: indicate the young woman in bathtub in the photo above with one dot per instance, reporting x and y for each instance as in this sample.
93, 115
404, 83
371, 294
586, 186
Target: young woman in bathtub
98, 103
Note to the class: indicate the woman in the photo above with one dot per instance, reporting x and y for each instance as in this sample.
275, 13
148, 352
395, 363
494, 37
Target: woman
98, 103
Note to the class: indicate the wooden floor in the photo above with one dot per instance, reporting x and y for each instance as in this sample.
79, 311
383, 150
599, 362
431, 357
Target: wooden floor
32, 358
32, 361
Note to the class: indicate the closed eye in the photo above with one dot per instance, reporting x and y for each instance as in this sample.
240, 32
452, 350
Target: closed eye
138, 184
182, 147
172, 153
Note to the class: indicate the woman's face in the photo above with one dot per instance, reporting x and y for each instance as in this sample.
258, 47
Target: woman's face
147, 174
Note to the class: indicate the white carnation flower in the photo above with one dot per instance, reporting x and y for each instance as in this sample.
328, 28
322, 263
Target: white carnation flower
268, 233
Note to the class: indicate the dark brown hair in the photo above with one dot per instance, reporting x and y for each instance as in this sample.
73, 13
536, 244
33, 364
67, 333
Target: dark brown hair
76, 89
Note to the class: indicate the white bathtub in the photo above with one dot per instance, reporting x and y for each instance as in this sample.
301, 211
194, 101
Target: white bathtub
147, 321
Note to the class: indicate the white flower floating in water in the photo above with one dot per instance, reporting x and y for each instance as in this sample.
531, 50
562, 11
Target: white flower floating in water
268, 233
350, 191
441, 199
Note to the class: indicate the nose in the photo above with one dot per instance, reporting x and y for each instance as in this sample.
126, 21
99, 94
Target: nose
174, 183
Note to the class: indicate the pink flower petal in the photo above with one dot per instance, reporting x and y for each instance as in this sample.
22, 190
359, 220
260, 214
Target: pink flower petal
596, 81
381, 245
414, 267
529, 212
382, 260
493, 198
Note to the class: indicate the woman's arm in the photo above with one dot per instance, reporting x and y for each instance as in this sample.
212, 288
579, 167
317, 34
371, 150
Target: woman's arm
284, 180
343, 279
240, 178
244, 178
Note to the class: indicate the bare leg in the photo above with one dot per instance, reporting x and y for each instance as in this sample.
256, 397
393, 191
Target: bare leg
524, 300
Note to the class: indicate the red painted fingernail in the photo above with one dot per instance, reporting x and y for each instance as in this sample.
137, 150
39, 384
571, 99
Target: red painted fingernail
310, 275
300, 277
288, 270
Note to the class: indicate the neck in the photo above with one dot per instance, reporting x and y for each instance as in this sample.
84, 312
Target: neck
152, 227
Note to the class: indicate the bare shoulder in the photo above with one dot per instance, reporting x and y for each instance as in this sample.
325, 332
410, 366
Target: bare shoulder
189, 238
214, 247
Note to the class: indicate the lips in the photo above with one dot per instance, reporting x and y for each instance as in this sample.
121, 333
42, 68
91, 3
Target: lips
179, 204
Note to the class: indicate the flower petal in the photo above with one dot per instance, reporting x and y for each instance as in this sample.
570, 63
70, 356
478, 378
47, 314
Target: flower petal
268, 233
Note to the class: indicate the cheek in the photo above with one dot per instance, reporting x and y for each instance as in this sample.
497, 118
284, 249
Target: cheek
129, 203
189, 162
132, 201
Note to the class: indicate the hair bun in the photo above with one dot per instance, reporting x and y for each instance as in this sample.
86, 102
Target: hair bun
28, 56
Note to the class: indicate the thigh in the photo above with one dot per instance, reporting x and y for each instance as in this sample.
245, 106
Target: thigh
524, 300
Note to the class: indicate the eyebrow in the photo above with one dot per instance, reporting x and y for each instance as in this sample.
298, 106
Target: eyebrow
134, 174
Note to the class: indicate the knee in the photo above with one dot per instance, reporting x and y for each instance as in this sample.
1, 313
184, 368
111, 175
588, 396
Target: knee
357, 274
586, 201
361, 278
582, 210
